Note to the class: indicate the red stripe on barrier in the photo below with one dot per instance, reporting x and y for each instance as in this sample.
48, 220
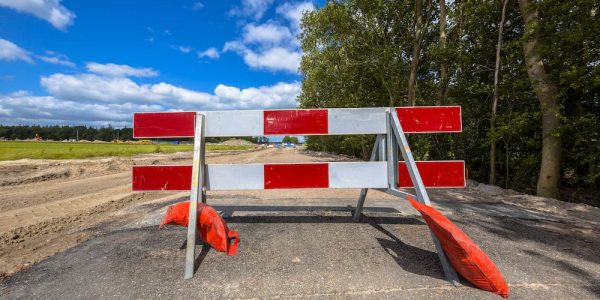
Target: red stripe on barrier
165, 124
289, 176
430, 119
156, 178
295, 121
435, 174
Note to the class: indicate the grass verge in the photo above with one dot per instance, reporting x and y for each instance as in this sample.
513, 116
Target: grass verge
11, 150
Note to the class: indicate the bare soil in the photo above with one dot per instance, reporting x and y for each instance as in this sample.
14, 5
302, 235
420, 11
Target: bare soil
48, 206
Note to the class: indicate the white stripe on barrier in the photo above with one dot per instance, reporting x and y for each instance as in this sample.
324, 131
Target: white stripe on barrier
357, 120
234, 123
358, 174
236, 177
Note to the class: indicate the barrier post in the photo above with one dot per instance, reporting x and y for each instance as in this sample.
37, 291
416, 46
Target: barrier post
198, 191
391, 151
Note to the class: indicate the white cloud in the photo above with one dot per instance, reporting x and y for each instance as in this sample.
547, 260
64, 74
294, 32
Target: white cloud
272, 45
97, 88
120, 70
211, 52
92, 88
52, 57
11, 52
251, 8
100, 100
27, 108
50, 10
294, 12
280, 95
235, 46
272, 59
183, 49
265, 33
5, 111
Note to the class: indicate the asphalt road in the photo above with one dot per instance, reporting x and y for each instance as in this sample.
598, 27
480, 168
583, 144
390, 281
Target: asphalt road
309, 248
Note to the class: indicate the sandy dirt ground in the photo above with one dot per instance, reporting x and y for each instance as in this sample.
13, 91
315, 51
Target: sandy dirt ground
49, 206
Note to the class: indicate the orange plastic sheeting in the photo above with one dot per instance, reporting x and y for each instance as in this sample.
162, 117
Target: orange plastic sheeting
468, 260
213, 229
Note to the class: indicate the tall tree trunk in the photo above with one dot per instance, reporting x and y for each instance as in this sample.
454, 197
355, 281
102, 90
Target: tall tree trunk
495, 98
444, 61
547, 94
414, 64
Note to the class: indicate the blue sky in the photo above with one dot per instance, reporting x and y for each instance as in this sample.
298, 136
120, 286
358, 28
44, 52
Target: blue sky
95, 62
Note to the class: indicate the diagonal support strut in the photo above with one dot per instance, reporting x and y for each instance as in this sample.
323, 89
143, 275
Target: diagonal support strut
420, 190
363, 192
198, 192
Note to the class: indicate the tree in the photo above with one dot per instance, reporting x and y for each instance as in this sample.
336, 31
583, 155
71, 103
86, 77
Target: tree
419, 28
444, 59
495, 97
547, 94
290, 139
59, 133
359, 53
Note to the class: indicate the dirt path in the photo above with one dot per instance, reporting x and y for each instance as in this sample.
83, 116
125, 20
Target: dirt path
47, 206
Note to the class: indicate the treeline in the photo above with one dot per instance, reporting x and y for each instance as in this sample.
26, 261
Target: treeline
60, 133
107, 134
526, 74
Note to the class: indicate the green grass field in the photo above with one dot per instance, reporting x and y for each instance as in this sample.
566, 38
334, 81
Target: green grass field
57, 150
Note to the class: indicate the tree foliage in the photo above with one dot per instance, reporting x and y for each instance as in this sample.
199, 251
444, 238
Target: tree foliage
59, 133
290, 139
357, 53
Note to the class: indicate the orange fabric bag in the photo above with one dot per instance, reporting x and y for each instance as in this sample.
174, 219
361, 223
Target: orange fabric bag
468, 260
212, 228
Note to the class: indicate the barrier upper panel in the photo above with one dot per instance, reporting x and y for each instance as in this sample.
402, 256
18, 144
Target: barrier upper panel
332, 121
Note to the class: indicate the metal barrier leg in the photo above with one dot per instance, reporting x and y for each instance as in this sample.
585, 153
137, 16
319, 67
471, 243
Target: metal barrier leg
422, 195
363, 192
197, 192
359, 205
391, 152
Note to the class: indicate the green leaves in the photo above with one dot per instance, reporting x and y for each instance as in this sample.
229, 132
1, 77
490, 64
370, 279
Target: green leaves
357, 54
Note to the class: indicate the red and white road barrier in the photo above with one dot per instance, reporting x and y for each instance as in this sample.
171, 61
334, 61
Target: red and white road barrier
384, 171
435, 174
332, 121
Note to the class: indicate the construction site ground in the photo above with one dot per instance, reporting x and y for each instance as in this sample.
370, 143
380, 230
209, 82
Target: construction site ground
73, 229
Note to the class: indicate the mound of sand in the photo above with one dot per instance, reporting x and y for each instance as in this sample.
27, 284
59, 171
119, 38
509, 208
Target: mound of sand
236, 142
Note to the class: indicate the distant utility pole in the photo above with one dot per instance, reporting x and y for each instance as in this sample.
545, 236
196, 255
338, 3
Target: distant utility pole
77, 132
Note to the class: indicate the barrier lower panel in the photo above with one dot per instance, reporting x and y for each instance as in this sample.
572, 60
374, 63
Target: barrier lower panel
435, 174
